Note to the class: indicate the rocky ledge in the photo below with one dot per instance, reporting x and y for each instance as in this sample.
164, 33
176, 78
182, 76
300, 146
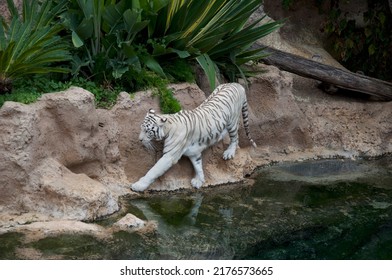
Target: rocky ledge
63, 159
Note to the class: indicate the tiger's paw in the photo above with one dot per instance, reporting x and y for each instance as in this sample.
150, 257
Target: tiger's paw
139, 186
196, 183
228, 154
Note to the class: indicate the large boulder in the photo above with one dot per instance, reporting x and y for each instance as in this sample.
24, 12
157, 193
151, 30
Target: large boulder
52, 153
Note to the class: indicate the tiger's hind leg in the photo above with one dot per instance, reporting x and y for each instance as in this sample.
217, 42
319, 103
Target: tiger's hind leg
233, 134
198, 180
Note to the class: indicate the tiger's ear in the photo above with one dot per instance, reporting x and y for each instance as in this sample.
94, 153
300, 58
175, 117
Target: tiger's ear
163, 120
151, 111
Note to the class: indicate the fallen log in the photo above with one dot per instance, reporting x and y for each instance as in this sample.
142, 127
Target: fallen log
328, 74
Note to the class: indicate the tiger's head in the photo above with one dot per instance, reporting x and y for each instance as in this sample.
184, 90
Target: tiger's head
152, 129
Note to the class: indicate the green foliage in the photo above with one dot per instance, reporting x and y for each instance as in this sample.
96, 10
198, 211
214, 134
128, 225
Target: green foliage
30, 44
359, 48
150, 80
287, 4
168, 103
179, 70
212, 32
29, 90
115, 37
24, 97
145, 43
105, 94
366, 49
104, 32
9, 242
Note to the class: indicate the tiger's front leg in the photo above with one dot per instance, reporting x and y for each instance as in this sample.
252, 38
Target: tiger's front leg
198, 180
162, 165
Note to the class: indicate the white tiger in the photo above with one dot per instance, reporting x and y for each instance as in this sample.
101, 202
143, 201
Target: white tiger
190, 132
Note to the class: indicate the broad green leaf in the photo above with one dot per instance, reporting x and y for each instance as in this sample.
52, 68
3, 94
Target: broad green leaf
372, 49
119, 71
112, 17
130, 18
77, 42
153, 65
209, 68
128, 50
85, 30
181, 54
133, 25
139, 26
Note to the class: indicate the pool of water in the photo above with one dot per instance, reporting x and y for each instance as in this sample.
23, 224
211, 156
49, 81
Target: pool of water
330, 209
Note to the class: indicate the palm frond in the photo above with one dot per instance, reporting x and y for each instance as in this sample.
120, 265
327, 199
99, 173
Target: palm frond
209, 67
29, 43
215, 34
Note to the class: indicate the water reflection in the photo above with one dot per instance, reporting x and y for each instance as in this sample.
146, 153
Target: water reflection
280, 216
314, 210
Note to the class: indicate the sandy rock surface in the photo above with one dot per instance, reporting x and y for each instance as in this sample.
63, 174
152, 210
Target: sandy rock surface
62, 161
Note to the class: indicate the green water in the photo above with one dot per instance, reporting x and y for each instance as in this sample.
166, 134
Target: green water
316, 210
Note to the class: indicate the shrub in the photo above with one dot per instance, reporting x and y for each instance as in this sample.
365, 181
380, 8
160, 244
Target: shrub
114, 37
214, 33
29, 43
359, 48
119, 43
146, 79
103, 33
368, 48
29, 90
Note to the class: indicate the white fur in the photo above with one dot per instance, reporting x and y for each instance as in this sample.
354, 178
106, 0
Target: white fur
189, 133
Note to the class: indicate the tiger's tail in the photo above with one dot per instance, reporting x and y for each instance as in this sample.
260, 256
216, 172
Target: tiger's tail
245, 119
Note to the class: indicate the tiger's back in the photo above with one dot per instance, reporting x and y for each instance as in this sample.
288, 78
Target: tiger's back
207, 124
